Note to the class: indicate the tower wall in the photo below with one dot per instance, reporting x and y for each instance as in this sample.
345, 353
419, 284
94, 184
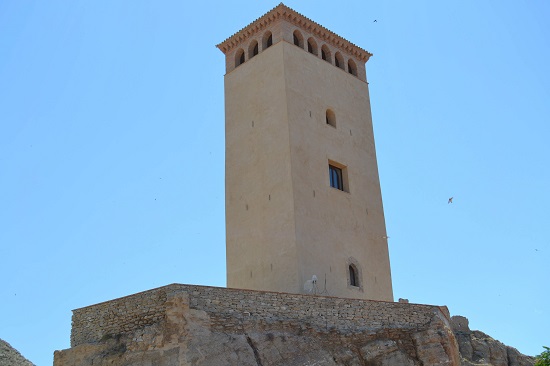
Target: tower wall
335, 228
260, 219
285, 220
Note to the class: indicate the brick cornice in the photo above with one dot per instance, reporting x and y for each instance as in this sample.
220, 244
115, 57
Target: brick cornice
283, 12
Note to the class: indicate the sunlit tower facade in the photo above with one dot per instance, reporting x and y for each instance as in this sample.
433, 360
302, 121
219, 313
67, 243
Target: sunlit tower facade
303, 194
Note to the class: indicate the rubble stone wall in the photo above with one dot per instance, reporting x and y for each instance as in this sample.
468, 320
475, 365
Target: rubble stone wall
232, 309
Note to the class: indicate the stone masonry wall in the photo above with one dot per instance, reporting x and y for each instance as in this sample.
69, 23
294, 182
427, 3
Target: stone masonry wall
234, 310
92, 323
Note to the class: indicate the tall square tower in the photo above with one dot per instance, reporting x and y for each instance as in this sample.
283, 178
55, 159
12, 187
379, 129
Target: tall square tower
302, 188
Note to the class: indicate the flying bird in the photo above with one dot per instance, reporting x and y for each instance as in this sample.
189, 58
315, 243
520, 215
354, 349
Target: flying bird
375, 21
450, 200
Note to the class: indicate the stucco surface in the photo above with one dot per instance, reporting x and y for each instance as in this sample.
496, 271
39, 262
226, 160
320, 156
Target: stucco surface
284, 222
260, 222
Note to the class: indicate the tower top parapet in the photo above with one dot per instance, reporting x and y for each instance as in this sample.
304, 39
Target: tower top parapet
280, 23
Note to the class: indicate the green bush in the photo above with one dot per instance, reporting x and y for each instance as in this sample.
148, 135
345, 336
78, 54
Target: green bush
544, 358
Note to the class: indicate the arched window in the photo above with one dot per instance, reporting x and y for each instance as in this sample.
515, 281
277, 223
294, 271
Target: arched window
267, 40
325, 53
239, 57
298, 39
339, 60
312, 46
352, 68
353, 279
355, 275
252, 49
331, 118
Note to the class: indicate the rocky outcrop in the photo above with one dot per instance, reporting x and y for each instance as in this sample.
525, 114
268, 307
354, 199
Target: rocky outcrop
188, 339
197, 325
477, 348
9, 356
259, 348
210, 326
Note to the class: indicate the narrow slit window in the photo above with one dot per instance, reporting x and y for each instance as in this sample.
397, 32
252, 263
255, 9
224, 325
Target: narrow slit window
353, 276
331, 118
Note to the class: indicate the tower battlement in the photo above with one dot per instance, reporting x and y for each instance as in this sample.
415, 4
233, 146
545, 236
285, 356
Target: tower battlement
285, 24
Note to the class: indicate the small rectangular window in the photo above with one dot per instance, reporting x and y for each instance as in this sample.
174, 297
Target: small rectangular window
338, 176
335, 175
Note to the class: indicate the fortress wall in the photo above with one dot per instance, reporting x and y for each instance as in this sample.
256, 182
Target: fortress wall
232, 310
92, 323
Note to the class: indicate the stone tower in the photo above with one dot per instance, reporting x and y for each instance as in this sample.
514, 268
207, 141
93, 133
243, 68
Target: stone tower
302, 188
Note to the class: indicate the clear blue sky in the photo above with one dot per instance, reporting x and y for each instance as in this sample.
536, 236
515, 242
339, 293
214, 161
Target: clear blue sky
112, 154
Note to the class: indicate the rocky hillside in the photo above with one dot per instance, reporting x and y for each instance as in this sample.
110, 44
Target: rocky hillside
190, 340
479, 349
10, 357
204, 326
333, 332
